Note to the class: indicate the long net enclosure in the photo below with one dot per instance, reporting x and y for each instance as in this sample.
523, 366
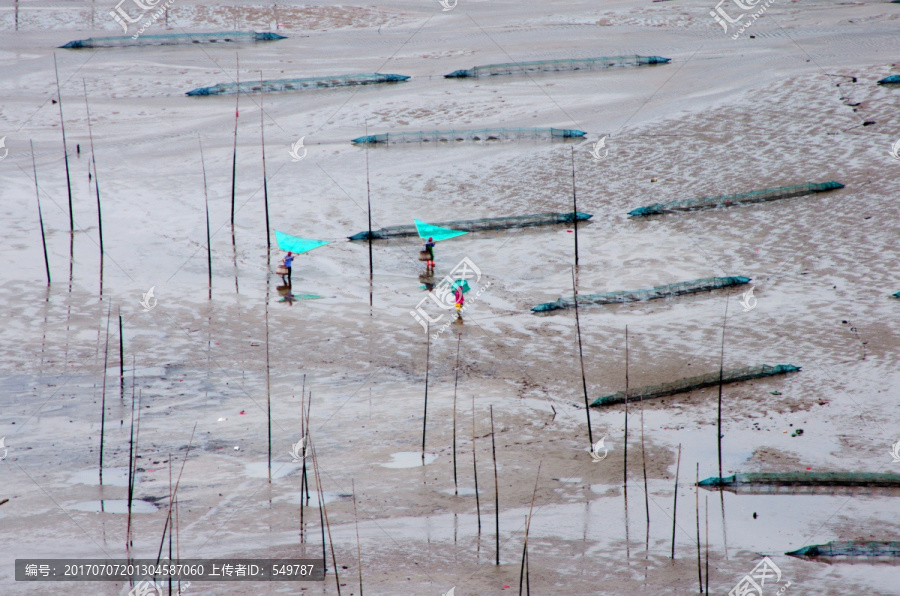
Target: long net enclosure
755, 196
705, 284
850, 548
480, 225
572, 64
277, 85
481, 134
171, 39
699, 382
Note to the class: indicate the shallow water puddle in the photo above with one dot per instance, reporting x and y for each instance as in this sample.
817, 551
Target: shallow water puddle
409, 459
115, 506
111, 477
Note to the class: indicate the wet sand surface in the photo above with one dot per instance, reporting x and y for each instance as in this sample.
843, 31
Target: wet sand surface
725, 116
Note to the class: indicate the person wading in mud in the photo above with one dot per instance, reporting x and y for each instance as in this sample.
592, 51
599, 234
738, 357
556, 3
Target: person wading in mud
288, 262
429, 248
460, 299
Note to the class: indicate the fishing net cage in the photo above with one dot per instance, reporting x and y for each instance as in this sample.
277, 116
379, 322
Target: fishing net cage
573, 64
756, 196
656, 292
173, 39
279, 85
693, 383
482, 134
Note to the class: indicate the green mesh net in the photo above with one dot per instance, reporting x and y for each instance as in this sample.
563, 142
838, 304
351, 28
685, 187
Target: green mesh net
427, 230
295, 244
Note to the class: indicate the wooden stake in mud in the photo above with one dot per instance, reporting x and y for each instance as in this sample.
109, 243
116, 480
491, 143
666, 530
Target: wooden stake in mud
262, 142
475, 469
62, 126
527, 528
496, 488
96, 179
103, 394
206, 204
234, 151
40, 214
675, 500
587, 406
358, 550
721, 375
697, 508
427, 366
575, 209
455, 384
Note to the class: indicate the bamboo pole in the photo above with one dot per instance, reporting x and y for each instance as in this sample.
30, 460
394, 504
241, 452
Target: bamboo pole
40, 213
130, 477
427, 366
644, 467
175, 493
303, 438
234, 150
62, 126
697, 509
324, 511
268, 386
496, 488
455, 385
527, 528
675, 500
121, 360
587, 406
625, 463
103, 394
575, 208
721, 375
262, 143
206, 205
358, 549
475, 468
96, 179
369, 212
706, 525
